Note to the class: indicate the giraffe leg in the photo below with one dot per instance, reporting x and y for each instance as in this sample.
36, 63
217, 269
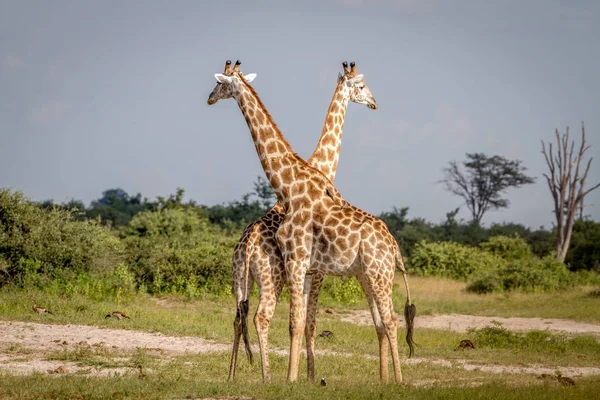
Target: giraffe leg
311, 326
305, 297
237, 329
383, 296
262, 321
296, 272
238, 326
379, 327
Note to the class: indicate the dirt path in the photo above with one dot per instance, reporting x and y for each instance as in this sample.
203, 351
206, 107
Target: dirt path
24, 347
48, 337
461, 323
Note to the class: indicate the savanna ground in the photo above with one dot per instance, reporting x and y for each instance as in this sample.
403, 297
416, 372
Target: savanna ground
522, 341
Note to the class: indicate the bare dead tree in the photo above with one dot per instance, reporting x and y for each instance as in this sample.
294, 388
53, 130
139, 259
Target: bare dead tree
567, 185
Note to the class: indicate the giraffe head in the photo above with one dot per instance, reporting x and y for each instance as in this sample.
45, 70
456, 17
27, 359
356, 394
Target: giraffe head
228, 82
354, 86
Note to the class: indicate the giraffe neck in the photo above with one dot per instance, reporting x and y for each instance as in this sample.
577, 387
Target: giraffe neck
327, 153
276, 156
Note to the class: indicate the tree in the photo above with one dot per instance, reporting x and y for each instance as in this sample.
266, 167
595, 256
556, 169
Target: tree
117, 207
567, 185
264, 192
76, 206
395, 219
481, 180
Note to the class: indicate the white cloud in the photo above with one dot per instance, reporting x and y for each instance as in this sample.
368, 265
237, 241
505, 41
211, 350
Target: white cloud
50, 113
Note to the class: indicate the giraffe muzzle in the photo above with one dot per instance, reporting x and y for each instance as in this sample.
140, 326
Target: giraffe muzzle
371, 103
211, 100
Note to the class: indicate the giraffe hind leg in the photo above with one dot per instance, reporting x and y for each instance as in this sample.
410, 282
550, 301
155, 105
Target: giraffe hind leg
240, 327
380, 329
237, 329
390, 323
262, 321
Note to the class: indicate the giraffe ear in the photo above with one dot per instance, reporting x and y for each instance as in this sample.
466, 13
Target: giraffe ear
340, 76
223, 78
355, 79
250, 77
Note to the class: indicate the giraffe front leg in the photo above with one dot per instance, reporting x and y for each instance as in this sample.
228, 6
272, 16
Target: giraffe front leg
296, 273
305, 295
311, 325
262, 321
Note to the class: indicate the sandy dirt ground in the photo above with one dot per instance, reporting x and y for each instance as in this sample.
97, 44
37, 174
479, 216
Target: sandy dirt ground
24, 346
461, 323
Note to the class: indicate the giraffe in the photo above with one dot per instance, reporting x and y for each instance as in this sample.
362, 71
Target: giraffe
320, 231
256, 256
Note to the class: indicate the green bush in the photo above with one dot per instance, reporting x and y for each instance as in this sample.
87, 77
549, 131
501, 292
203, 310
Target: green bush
499, 264
586, 278
528, 274
344, 291
535, 274
41, 245
508, 248
584, 249
452, 260
178, 250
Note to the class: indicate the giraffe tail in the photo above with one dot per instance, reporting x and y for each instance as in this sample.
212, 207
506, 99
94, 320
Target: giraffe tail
243, 313
409, 309
243, 306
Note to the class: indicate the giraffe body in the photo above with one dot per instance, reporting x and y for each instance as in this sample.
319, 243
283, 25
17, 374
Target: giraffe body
257, 257
320, 232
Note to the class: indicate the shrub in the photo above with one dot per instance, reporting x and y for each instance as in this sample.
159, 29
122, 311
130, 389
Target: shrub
38, 245
534, 274
344, 291
508, 248
452, 260
529, 274
178, 250
584, 250
585, 277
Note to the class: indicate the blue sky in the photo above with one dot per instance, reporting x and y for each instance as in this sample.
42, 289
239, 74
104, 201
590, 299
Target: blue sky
97, 95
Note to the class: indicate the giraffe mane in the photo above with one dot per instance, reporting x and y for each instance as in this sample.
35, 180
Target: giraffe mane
270, 119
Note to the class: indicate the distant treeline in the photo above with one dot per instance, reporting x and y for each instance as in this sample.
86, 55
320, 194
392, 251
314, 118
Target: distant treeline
116, 208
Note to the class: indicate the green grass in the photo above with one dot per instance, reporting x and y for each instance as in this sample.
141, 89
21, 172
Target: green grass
348, 378
352, 376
